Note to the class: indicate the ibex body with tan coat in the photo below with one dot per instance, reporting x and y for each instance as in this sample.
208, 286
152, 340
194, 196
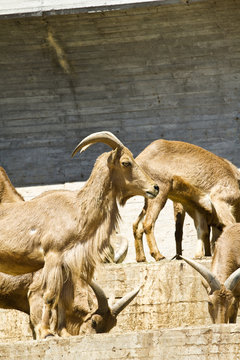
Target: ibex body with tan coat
67, 232
205, 184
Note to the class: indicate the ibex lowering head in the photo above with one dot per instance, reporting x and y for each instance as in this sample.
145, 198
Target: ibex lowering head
223, 297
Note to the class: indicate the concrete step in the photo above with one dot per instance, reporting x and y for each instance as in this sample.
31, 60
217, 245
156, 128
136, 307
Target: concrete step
215, 342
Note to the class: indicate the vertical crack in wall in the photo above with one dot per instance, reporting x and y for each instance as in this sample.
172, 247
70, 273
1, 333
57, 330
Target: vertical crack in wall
60, 54
57, 53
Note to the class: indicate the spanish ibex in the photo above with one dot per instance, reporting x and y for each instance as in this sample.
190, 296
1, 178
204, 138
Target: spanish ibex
205, 184
223, 285
86, 314
67, 232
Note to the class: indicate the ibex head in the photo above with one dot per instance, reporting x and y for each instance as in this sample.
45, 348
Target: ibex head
222, 304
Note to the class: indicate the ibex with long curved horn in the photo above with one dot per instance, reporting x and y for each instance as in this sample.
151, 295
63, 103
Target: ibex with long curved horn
67, 232
209, 192
222, 281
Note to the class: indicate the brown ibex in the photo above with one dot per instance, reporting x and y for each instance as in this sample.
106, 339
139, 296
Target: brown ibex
209, 191
67, 232
223, 285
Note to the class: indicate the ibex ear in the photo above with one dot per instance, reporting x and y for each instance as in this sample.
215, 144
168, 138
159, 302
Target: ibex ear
113, 157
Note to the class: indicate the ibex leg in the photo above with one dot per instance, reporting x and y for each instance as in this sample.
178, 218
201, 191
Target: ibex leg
138, 234
152, 212
179, 216
203, 234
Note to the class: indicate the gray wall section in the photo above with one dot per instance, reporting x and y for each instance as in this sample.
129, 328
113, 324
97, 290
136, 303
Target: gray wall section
168, 71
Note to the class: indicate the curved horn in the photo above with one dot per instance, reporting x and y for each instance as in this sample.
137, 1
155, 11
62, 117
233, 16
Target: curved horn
124, 301
232, 280
105, 137
207, 274
121, 252
101, 298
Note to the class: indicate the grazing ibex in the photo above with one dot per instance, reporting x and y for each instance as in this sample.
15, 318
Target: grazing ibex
205, 184
67, 232
83, 315
223, 285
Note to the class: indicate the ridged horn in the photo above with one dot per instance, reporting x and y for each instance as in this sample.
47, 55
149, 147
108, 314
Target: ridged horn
121, 252
232, 280
105, 137
124, 301
207, 274
101, 298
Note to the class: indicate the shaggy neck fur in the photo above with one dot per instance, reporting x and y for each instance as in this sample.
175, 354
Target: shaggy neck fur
99, 217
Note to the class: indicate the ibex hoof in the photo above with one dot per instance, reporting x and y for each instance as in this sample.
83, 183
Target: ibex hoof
141, 259
198, 257
159, 257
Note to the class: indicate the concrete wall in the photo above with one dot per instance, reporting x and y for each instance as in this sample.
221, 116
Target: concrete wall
38, 7
168, 71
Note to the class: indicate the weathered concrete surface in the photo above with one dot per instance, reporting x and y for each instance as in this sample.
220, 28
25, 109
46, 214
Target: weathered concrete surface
171, 295
38, 7
195, 343
169, 71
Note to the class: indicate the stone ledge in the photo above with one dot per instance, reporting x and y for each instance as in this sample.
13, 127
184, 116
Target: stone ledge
171, 295
193, 343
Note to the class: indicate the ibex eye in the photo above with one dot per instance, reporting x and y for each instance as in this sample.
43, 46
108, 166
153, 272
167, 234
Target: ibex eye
126, 163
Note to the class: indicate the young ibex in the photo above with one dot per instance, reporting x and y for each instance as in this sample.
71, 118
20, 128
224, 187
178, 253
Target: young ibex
84, 315
209, 191
67, 232
223, 285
